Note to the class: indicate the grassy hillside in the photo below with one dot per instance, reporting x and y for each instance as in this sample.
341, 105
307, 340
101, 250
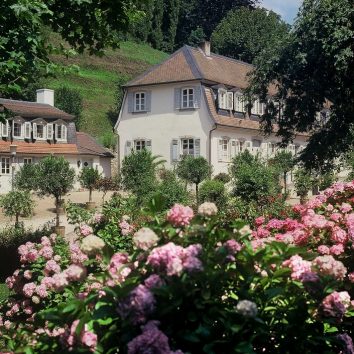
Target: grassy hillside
97, 76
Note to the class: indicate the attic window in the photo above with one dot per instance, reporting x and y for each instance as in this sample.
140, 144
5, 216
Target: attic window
188, 98
140, 102
239, 102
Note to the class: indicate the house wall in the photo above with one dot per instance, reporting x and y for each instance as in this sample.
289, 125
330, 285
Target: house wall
102, 164
164, 123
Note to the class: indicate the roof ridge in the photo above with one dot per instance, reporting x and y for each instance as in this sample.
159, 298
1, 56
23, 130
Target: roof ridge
148, 71
198, 74
28, 102
222, 56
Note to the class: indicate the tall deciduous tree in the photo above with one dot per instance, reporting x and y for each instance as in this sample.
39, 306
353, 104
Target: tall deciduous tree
245, 33
312, 69
89, 24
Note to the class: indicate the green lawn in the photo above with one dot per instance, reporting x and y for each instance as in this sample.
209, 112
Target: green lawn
97, 76
4, 292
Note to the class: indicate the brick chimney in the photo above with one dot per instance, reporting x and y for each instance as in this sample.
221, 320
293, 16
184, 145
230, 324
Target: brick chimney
205, 47
45, 96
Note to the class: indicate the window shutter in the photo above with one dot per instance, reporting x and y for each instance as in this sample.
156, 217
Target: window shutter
248, 145
34, 131
220, 150
49, 131
148, 101
28, 129
177, 98
65, 131
197, 96
128, 147
5, 129
234, 148
220, 99
196, 147
130, 102
230, 101
174, 150
148, 145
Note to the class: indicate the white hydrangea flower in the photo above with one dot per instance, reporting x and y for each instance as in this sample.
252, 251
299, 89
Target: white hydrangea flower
207, 209
247, 308
92, 245
145, 238
246, 230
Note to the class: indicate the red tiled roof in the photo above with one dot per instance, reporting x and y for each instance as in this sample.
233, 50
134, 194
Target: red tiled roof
42, 148
231, 121
34, 110
87, 145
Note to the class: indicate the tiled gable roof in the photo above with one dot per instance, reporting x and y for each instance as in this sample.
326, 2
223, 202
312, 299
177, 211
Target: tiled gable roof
190, 63
87, 145
42, 148
34, 110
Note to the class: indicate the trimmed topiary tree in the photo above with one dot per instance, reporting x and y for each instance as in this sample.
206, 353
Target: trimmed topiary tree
213, 191
193, 170
17, 203
303, 183
88, 179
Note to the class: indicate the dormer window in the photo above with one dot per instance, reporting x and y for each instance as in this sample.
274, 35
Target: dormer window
17, 129
239, 102
258, 107
187, 98
60, 132
222, 98
40, 131
140, 102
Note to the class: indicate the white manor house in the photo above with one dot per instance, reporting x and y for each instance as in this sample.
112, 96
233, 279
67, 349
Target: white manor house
192, 104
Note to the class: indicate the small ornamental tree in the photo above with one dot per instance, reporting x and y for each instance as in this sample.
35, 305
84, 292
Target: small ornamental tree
25, 178
54, 177
213, 191
17, 203
193, 170
284, 162
106, 184
253, 179
139, 174
88, 178
303, 183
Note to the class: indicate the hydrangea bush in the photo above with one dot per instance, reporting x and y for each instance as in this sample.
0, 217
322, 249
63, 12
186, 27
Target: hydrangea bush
193, 283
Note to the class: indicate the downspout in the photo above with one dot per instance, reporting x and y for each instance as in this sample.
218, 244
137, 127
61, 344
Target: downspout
210, 135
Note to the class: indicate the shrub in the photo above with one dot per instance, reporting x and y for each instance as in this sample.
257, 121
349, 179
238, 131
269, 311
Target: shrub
139, 174
283, 162
213, 191
172, 190
17, 203
25, 178
239, 292
109, 140
302, 183
70, 101
193, 170
223, 177
88, 178
253, 180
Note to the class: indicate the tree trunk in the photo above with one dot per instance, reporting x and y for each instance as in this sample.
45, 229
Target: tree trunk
196, 193
17, 220
57, 206
303, 198
285, 183
90, 194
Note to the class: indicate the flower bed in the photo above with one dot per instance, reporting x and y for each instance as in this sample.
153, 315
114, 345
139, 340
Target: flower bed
192, 284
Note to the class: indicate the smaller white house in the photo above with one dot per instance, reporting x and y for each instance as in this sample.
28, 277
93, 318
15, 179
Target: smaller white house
193, 104
38, 129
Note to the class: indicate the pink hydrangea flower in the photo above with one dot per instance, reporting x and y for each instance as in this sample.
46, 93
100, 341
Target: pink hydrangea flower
153, 281
180, 215
335, 305
76, 255
45, 241
337, 249
27, 274
125, 228
327, 265
298, 266
29, 289
75, 272
351, 277
51, 267
259, 221
339, 235
46, 252
89, 339
345, 208
60, 281
232, 246
86, 230
323, 249
41, 291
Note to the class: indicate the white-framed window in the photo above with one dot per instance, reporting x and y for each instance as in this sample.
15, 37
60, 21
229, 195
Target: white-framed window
256, 145
257, 107
187, 98
17, 129
140, 102
239, 102
224, 149
222, 98
272, 148
39, 131
187, 145
28, 130
27, 160
5, 165
141, 144
50, 131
